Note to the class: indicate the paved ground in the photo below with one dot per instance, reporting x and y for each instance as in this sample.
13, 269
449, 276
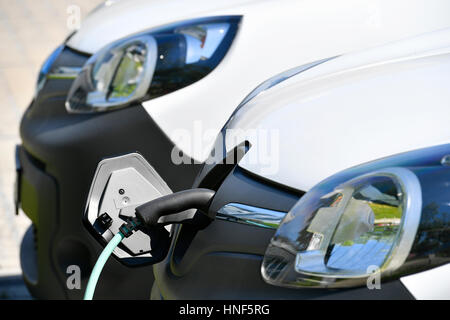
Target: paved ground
29, 31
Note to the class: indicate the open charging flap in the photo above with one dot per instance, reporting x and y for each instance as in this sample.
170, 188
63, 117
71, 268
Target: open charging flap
120, 184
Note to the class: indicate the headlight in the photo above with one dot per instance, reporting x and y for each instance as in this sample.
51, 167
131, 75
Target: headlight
45, 69
341, 232
151, 64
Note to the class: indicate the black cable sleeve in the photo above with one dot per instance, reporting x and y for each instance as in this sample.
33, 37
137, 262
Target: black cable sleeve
150, 212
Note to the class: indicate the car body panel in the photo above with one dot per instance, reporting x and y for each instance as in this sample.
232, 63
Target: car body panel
331, 118
120, 19
273, 37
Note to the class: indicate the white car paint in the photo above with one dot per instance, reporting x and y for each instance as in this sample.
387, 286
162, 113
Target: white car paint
432, 284
274, 36
351, 110
118, 19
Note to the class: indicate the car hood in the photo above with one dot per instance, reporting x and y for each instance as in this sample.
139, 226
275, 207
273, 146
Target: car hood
116, 19
347, 111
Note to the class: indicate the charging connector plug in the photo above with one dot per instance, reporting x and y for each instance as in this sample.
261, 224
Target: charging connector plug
171, 206
129, 227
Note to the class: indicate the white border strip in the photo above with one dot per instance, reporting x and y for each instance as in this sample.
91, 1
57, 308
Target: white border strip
432, 284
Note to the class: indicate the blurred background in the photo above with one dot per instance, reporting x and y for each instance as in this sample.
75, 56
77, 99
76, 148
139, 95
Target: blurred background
29, 31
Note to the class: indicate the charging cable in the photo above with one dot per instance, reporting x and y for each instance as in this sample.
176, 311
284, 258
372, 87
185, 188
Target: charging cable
149, 214
126, 230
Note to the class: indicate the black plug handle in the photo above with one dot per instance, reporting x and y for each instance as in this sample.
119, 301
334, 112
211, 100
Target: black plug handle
150, 212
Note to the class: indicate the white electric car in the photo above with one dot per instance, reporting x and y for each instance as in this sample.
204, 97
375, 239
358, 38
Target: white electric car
162, 78
330, 182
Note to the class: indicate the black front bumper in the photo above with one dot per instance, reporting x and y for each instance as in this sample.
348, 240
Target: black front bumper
58, 156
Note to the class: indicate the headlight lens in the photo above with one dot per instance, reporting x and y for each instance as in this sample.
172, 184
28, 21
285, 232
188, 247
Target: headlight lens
390, 216
336, 238
115, 76
151, 64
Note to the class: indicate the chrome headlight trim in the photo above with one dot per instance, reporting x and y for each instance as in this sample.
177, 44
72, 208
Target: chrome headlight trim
282, 255
412, 213
97, 99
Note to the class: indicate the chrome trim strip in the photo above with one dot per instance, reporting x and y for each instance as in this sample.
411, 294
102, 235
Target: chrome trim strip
254, 216
64, 73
